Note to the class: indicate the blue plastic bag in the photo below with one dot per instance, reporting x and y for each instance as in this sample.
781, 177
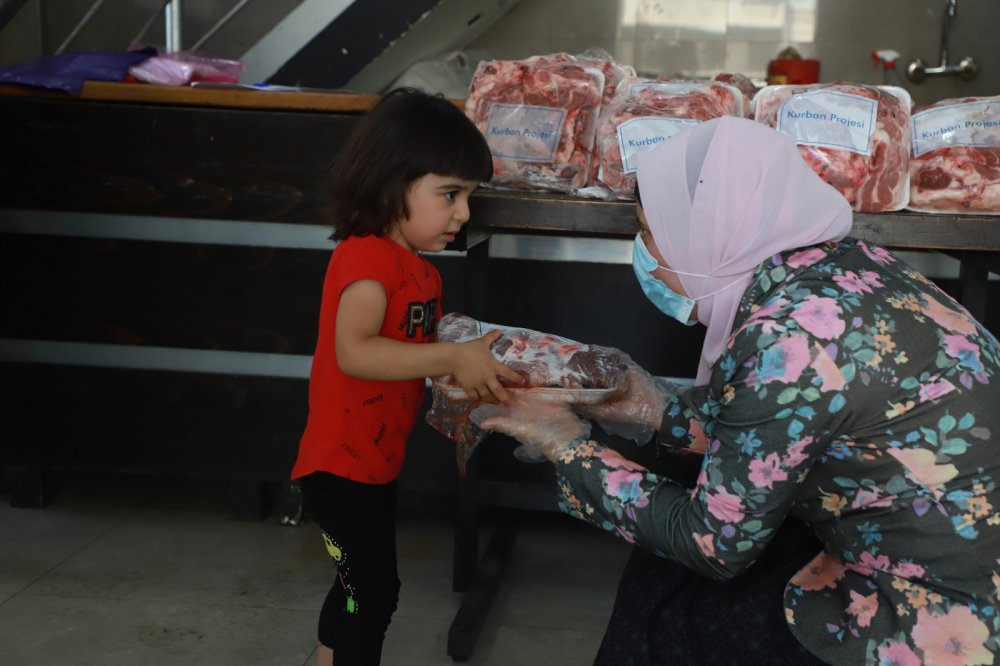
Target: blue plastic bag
68, 71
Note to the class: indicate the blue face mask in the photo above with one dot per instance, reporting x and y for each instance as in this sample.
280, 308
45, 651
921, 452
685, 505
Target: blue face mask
668, 301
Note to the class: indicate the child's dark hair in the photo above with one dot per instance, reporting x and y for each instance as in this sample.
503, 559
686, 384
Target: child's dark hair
406, 136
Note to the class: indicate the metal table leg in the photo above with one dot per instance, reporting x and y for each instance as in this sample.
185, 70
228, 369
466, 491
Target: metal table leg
477, 579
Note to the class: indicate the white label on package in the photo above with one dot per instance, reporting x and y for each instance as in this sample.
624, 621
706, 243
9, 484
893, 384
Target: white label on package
830, 120
638, 135
526, 133
968, 124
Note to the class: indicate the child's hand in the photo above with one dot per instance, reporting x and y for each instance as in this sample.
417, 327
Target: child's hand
478, 371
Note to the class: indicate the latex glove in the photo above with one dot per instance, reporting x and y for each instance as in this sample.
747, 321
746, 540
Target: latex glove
640, 406
544, 429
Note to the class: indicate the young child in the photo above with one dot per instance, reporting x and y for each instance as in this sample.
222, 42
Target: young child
401, 187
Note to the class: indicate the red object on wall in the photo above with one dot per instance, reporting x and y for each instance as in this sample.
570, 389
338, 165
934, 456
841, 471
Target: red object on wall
794, 72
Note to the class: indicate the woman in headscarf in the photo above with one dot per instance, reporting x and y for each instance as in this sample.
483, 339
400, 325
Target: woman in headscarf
847, 413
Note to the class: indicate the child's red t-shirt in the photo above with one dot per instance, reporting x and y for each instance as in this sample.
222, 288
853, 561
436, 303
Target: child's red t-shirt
357, 428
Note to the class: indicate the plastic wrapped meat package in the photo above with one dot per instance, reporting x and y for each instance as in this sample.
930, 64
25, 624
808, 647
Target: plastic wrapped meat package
538, 116
856, 137
955, 166
742, 83
728, 96
645, 113
614, 73
553, 368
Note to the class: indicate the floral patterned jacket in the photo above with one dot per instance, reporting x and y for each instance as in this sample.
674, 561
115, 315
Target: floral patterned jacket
856, 396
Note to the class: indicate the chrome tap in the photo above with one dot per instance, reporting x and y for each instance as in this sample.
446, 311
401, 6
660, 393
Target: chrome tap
967, 67
950, 14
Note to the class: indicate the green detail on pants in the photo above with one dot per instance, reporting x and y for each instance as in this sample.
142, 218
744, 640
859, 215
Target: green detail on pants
338, 556
332, 548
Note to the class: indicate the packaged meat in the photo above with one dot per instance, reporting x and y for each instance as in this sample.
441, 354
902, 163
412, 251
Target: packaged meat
645, 113
856, 137
553, 368
538, 116
742, 83
729, 97
614, 73
955, 165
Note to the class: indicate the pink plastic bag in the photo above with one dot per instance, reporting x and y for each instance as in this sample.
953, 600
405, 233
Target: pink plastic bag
181, 68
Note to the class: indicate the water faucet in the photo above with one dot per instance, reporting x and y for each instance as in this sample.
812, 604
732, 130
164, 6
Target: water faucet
967, 67
950, 14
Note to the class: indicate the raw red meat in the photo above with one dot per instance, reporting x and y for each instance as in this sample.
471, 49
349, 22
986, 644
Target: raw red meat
684, 102
960, 173
544, 361
729, 97
742, 83
873, 183
614, 73
563, 94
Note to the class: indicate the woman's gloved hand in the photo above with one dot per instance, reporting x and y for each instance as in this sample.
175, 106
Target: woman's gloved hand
640, 406
544, 429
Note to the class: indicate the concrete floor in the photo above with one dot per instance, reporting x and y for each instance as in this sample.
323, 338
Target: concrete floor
153, 571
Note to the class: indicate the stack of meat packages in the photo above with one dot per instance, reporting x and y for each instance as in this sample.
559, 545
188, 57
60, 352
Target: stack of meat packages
539, 116
577, 124
643, 113
955, 166
856, 137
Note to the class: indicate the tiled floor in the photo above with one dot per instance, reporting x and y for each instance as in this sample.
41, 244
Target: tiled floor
138, 570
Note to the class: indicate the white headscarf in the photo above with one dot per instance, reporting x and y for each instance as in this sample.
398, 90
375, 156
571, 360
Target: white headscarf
721, 198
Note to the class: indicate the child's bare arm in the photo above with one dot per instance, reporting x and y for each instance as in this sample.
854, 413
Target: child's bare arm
363, 352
